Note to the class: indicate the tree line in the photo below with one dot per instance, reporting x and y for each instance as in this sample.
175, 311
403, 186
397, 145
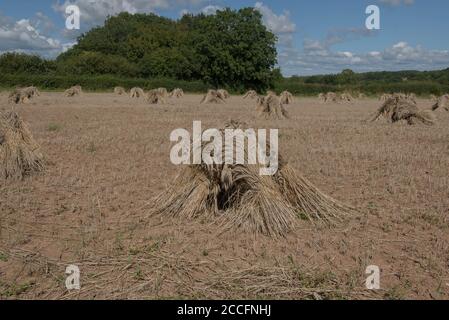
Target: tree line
231, 48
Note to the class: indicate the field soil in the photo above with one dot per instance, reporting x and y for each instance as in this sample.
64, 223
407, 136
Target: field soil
108, 156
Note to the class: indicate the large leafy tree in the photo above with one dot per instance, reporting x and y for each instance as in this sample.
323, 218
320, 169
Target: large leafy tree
231, 48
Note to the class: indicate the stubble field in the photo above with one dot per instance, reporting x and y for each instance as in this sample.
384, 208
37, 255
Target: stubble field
109, 156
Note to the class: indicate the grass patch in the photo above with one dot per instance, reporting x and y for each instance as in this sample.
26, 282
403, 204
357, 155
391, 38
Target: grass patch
53, 127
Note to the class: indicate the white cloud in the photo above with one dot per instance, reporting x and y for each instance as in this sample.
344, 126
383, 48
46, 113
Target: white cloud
183, 12
278, 24
25, 35
94, 13
317, 57
211, 9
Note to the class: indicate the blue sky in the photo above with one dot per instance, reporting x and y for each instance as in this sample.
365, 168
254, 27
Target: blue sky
315, 37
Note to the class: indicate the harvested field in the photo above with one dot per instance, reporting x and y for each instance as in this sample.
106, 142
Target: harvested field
108, 157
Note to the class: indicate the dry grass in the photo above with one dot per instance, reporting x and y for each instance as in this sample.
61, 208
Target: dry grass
20, 155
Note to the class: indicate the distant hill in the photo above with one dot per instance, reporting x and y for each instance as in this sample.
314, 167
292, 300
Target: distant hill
419, 82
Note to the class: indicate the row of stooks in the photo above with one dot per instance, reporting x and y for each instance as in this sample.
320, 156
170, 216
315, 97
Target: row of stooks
396, 107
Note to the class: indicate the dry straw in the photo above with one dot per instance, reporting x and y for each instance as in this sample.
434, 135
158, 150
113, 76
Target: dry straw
176, 93
162, 92
119, 91
322, 98
20, 155
156, 96
286, 97
240, 198
136, 93
442, 103
250, 94
346, 97
23, 95
223, 94
331, 97
270, 107
398, 108
73, 91
213, 96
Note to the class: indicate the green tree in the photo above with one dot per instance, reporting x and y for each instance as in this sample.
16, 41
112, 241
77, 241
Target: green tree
230, 49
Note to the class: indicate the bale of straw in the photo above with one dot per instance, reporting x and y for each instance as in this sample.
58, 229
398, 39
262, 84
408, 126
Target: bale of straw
31, 92
385, 110
155, 97
119, 91
397, 109
176, 93
213, 96
409, 112
240, 198
331, 97
441, 103
78, 88
411, 96
73, 91
286, 97
270, 107
250, 94
17, 97
136, 93
23, 95
322, 97
20, 154
162, 92
346, 97
223, 94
